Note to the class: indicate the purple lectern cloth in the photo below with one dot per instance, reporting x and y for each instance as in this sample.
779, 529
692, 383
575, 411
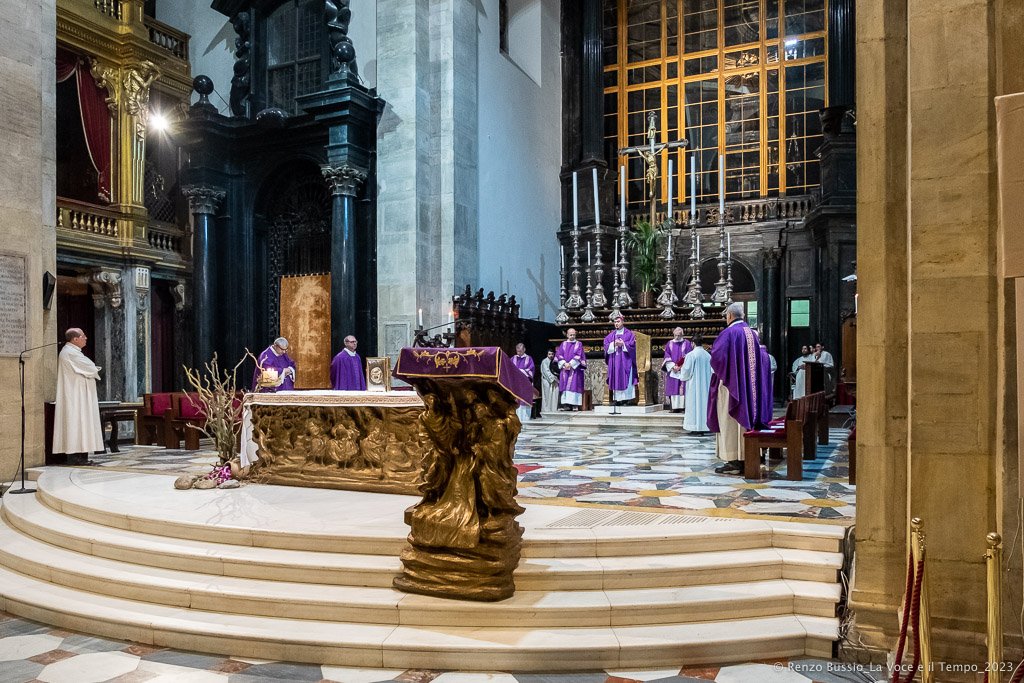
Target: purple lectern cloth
268, 360
484, 362
570, 379
347, 372
622, 364
676, 352
735, 361
765, 391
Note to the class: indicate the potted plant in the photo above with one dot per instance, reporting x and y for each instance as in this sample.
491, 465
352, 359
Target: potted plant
644, 242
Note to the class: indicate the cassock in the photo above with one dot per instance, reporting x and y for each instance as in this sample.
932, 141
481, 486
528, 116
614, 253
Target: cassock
347, 372
527, 367
767, 369
270, 360
548, 386
76, 421
675, 389
801, 375
697, 376
571, 361
622, 374
734, 403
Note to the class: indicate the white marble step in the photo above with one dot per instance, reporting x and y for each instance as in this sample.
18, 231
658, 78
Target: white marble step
371, 524
372, 645
387, 606
27, 515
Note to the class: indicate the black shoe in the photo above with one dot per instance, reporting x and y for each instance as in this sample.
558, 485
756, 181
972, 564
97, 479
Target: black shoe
729, 468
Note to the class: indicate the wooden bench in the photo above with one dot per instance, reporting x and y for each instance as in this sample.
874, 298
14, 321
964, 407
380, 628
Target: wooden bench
787, 433
151, 421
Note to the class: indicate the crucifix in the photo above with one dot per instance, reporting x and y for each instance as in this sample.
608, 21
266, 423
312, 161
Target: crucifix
649, 153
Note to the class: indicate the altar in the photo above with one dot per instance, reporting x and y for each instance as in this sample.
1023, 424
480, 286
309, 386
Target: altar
356, 440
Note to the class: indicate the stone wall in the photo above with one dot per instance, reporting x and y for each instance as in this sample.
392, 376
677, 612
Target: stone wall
28, 208
934, 344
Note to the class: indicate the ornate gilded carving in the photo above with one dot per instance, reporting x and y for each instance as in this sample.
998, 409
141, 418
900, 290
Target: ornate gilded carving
343, 179
106, 78
363, 448
135, 81
465, 541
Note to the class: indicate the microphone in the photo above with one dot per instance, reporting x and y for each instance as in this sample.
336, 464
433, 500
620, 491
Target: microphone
21, 374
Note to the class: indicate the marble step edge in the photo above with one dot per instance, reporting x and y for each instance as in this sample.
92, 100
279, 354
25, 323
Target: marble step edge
538, 543
587, 573
387, 606
456, 648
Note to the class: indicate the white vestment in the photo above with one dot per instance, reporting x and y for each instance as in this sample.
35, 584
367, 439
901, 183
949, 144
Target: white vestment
697, 375
548, 387
800, 381
76, 423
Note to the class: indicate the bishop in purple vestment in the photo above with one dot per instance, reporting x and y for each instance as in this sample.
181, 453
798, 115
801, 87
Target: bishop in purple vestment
737, 386
528, 368
275, 357
675, 352
571, 362
620, 352
347, 368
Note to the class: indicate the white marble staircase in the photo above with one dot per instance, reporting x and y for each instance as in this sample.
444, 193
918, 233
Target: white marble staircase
305, 574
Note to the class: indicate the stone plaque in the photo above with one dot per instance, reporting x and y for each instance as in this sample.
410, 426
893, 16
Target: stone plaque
13, 304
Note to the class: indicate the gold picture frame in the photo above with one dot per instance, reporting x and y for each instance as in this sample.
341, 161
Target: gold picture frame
378, 374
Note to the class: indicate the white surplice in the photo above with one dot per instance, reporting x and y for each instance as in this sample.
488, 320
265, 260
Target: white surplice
800, 381
76, 424
696, 373
548, 387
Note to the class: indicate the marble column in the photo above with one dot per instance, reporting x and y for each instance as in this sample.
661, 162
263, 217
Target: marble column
592, 84
108, 341
773, 315
344, 182
203, 201
841, 57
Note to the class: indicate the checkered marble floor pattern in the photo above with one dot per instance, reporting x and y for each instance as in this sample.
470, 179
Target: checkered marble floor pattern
32, 652
634, 467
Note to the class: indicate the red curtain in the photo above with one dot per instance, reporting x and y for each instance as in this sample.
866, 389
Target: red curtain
95, 115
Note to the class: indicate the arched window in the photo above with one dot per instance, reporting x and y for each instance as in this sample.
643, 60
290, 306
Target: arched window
742, 78
295, 39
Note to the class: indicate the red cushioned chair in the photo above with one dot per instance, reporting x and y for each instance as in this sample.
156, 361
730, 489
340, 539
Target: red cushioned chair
186, 414
151, 422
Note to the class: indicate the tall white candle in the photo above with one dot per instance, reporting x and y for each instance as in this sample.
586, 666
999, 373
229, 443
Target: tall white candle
575, 201
721, 185
588, 254
670, 169
622, 195
693, 185
420, 317
597, 202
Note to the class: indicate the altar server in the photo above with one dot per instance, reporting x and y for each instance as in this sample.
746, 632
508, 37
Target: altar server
696, 373
549, 384
675, 351
275, 358
527, 367
734, 403
347, 372
76, 425
572, 362
620, 352
800, 372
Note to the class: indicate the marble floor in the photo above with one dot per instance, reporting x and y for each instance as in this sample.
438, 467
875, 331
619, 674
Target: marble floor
33, 652
628, 466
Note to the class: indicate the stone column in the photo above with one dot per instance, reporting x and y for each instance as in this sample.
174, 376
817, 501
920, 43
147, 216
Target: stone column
203, 201
344, 182
773, 315
592, 84
108, 342
841, 53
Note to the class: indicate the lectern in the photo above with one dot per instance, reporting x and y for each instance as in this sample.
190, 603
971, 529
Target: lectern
464, 540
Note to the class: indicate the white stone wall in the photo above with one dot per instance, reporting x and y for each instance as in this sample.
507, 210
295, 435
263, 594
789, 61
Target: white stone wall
520, 129
28, 206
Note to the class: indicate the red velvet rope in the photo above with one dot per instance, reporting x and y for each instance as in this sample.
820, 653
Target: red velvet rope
1018, 674
907, 596
915, 617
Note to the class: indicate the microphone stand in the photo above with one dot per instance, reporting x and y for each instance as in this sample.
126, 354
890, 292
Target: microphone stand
21, 373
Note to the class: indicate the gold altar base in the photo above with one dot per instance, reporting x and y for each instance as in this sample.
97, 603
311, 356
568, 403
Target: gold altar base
482, 573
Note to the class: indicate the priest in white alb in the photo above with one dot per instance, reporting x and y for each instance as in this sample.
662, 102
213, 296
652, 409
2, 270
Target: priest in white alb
696, 372
76, 425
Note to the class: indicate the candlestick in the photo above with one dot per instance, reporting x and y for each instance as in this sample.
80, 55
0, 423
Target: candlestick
420, 317
622, 195
669, 246
599, 300
562, 318
721, 185
588, 254
728, 238
698, 242
693, 185
575, 201
668, 291
616, 289
721, 295
561, 257
693, 295
625, 300
588, 312
575, 301
597, 201
670, 170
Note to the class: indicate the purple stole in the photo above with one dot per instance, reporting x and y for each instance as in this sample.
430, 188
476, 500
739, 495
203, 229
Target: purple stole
735, 362
676, 352
570, 379
623, 363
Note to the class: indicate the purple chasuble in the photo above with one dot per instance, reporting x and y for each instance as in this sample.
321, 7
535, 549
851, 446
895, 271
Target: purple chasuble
676, 351
735, 362
621, 364
347, 372
525, 365
570, 379
268, 360
765, 390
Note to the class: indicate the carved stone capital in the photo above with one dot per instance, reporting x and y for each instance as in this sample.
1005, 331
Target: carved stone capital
343, 179
772, 257
203, 199
106, 287
142, 287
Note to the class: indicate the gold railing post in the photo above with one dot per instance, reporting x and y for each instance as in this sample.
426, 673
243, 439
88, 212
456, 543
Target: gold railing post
994, 563
917, 547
